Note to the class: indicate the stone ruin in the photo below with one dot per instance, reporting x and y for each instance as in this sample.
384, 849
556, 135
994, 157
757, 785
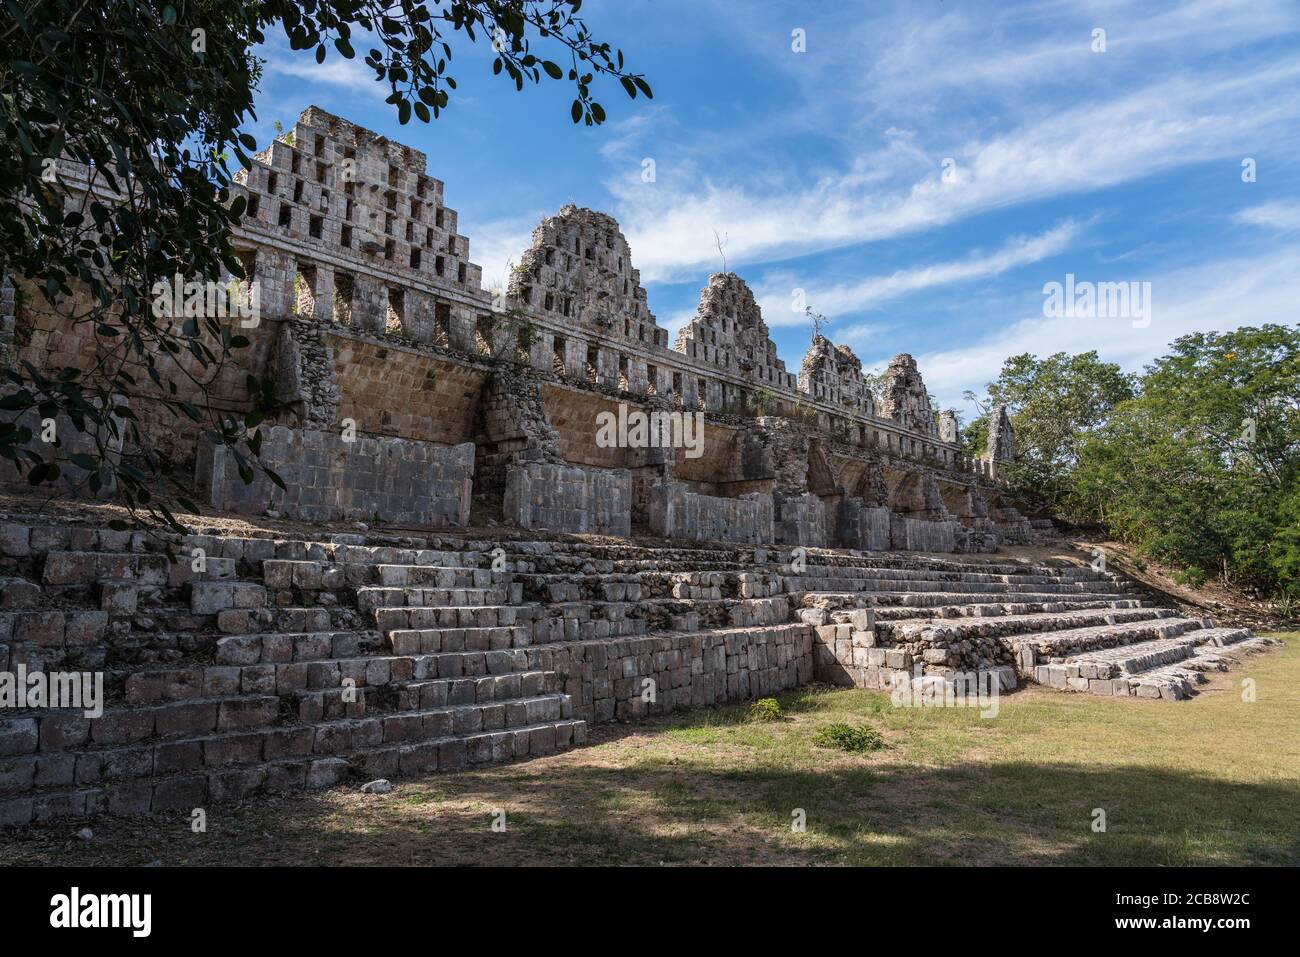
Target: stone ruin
374, 317
795, 542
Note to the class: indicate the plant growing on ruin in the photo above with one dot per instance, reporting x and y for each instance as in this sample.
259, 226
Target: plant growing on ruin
287, 138
766, 709
816, 320
874, 383
146, 100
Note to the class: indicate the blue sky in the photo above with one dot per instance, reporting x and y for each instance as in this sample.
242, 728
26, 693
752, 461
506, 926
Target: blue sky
824, 170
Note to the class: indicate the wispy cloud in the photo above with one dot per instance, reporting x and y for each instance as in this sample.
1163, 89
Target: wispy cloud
1215, 295
873, 291
351, 75
1179, 122
1278, 214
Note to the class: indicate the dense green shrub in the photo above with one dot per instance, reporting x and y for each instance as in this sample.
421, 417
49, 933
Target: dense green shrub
1196, 461
766, 709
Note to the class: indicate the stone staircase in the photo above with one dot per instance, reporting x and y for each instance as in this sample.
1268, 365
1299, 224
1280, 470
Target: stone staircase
1068, 628
239, 666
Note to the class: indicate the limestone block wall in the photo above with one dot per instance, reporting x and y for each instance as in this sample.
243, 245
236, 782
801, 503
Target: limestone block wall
862, 526
678, 513
49, 341
67, 444
606, 679
567, 498
801, 520
917, 535
328, 478
397, 391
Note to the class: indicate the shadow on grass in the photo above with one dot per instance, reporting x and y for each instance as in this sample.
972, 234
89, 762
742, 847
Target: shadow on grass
557, 813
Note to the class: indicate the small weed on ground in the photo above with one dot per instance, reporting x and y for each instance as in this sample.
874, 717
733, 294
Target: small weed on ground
856, 740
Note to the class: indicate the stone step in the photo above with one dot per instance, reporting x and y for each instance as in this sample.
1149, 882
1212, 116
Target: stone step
246, 728
370, 598
314, 575
551, 588
18, 594
453, 616
211, 598
711, 584
587, 622
1031, 649
1026, 576
912, 601
923, 586
1223, 637
52, 631
486, 689
285, 647
428, 641
582, 621
365, 674
934, 631
440, 576
1095, 670
746, 555
1162, 668
903, 612
88, 567
378, 689
182, 789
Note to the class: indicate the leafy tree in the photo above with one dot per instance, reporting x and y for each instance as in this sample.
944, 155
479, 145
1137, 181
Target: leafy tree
146, 99
1054, 404
1202, 469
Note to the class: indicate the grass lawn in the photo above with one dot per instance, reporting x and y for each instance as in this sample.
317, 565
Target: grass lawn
1214, 780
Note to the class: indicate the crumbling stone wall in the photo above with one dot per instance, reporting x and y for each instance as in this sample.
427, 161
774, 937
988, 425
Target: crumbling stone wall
579, 267
728, 331
1001, 447
375, 318
48, 340
390, 389
948, 431
905, 398
834, 374
512, 428
302, 371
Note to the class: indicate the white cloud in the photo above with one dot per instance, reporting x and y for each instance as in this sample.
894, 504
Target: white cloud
497, 246
1218, 295
1100, 143
873, 291
1004, 51
1278, 214
336, 71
